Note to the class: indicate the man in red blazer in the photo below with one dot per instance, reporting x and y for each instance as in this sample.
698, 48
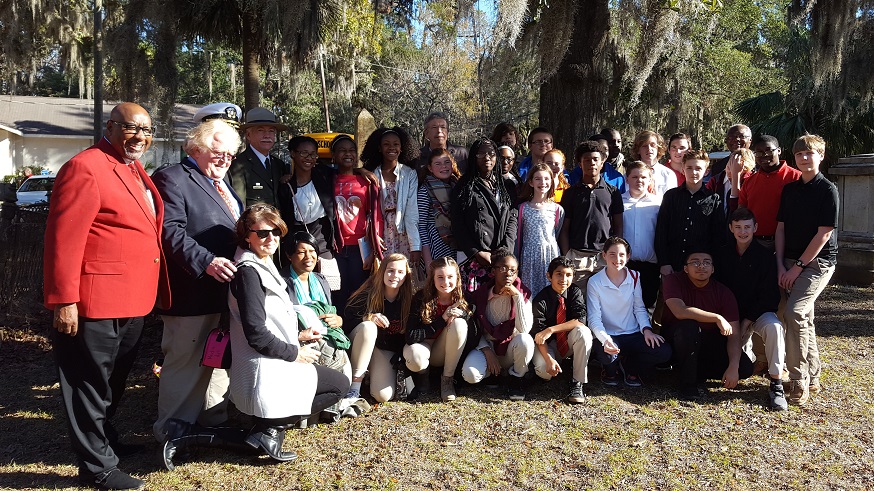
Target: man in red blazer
103, 267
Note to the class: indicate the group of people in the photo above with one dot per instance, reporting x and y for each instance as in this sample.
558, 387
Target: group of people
481, 262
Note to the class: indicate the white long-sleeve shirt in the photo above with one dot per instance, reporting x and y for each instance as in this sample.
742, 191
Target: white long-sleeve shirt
498, 311
615, 310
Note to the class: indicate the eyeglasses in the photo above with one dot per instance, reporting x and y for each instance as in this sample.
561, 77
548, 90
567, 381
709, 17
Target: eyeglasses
308, 155
509, 271
263, 234
491, 154
223, 156
542, 142
507, 159
133, 128
700, 264
765, 153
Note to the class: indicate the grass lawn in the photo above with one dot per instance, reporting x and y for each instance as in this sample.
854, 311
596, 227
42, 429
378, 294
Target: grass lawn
620, 438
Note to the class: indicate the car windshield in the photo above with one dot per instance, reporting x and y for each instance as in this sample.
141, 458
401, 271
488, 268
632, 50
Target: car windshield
37, 185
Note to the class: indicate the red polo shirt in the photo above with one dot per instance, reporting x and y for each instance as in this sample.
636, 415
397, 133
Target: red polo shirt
761, 194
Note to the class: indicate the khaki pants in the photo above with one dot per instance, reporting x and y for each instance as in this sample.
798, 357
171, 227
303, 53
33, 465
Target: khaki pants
579, 340
586, 264
443, 351
771, 338
802, 352
367, 357
516, 360
188, 391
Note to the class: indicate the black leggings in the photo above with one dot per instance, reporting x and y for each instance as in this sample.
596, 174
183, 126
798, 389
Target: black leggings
331, 386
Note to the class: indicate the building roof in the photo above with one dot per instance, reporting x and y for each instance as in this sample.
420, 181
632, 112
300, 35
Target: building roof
59, 116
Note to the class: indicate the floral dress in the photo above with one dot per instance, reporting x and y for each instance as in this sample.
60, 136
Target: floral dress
395, 242
536, 242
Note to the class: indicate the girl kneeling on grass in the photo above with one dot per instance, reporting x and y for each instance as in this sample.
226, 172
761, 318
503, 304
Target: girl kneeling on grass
379, 311
437, 335
503, 312
619, 320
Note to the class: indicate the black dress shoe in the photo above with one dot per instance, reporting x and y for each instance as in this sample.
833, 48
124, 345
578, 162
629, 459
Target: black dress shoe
270, 440
112, 479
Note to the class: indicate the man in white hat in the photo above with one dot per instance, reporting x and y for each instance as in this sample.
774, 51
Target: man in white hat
254, 174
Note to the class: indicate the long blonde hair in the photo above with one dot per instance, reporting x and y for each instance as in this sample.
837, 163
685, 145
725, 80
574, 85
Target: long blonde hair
429, 293
372, 293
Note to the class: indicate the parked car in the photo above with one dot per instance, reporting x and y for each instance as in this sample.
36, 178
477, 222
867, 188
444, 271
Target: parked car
35, 189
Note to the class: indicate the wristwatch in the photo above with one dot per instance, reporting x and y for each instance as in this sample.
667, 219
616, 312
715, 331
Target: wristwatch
799, 263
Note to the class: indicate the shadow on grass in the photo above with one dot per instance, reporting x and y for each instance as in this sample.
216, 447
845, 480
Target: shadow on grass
30, 480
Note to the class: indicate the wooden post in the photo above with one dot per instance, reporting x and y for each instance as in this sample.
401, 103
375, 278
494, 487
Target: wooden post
365, 124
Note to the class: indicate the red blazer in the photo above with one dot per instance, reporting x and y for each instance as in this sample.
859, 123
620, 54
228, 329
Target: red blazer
102, 243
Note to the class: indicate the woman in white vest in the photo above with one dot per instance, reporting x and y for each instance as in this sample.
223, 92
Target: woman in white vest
273, 378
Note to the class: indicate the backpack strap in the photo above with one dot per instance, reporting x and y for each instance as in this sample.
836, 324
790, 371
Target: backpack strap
634, 276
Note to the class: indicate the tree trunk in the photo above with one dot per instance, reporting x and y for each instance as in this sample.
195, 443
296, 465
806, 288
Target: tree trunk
251, 61
98, 70
575, 99
167, 80
209, 72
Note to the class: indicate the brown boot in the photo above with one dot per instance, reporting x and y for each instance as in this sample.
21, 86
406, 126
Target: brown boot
799, 393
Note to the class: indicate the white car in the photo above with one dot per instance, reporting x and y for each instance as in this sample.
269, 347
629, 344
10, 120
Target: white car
35, 190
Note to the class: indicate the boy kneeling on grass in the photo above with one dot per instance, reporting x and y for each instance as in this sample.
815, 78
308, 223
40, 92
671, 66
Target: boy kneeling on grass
620, 321
559, 330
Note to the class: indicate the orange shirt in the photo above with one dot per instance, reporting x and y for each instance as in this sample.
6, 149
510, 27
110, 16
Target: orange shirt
761, 194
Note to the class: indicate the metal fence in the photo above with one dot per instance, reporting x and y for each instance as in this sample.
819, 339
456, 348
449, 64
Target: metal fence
21, 252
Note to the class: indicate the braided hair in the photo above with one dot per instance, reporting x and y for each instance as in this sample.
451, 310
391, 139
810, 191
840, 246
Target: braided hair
467, 182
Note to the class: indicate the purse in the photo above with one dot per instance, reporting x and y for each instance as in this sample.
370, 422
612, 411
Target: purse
217, 349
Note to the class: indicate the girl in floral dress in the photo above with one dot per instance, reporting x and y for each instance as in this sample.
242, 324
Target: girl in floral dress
388, 153
540, 220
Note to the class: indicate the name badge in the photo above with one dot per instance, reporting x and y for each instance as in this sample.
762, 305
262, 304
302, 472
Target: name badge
257, 186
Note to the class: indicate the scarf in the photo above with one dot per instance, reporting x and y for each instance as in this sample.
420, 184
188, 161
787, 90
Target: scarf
439, 192
316, 293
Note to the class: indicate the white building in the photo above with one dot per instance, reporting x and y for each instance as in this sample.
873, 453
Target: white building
48, 131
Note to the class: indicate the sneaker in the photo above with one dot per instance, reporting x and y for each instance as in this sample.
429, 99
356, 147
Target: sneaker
799, 392
515, 388
776, 396
689, 393
609, 380
576, 395
491, 382
815, 387
447, 388
631, 380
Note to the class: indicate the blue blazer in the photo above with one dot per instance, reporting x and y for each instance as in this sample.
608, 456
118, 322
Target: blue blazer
198, 226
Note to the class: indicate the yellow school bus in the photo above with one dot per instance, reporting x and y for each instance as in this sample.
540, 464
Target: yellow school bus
324, 143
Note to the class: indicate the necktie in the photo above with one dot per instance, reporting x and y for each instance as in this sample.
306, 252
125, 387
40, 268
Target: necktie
231, 205
561, 337
133, 170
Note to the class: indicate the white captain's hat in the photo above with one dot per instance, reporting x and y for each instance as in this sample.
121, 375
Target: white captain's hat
228, 112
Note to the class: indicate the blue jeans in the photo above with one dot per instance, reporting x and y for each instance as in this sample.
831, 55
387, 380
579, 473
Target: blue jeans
352, 273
